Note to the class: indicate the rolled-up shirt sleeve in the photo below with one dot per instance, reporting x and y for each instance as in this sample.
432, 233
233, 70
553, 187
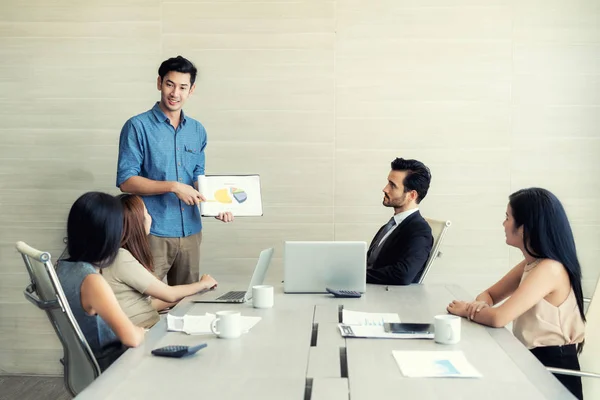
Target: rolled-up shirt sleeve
199, 169
131, 153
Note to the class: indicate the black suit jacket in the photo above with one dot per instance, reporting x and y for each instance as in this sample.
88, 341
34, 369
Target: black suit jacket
404, 253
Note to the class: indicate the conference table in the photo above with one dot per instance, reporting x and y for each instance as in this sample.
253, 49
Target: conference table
296, 352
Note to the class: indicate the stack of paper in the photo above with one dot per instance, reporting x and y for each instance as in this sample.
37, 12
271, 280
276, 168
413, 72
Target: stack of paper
366, 325
435, 364
200, 324
360, 318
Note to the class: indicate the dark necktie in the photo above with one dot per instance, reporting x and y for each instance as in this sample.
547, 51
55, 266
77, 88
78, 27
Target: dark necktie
375, 247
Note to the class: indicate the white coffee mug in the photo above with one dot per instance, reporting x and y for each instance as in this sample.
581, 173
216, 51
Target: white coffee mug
227, 325
447, 329
262, 296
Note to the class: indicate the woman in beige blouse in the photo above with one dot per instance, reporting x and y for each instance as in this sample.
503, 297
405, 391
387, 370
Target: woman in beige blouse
543, 292
139, 292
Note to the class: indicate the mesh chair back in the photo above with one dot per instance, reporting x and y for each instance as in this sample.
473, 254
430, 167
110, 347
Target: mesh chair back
45, 292
438, 230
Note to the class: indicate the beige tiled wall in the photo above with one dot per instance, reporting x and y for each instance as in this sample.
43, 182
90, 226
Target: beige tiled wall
316, 96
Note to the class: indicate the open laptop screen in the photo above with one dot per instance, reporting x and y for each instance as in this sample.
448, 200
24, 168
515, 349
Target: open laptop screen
310, 267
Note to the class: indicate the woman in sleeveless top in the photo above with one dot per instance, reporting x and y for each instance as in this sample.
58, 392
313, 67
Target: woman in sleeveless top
94, 229
545, 298
131, 276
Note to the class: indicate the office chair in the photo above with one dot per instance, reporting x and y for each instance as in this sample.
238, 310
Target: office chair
438, 230
65, 253
589, 359
45, 292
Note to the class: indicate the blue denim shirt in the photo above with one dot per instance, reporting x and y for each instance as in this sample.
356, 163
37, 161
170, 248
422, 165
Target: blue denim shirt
150, 147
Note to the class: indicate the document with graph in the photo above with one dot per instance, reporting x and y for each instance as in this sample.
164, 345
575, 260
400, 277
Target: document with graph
435, 364
239, 194
358, 324
361, 318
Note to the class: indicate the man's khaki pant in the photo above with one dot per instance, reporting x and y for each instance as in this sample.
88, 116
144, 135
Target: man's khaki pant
177, 258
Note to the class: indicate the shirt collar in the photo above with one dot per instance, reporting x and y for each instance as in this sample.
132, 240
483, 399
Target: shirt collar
160, 115
404, 214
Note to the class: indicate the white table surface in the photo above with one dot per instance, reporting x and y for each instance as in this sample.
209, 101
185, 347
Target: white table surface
275, 360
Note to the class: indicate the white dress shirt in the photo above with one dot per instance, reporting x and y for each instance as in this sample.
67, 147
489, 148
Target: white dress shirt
401, 216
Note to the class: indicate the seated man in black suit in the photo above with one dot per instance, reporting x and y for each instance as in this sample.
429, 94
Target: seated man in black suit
399, 250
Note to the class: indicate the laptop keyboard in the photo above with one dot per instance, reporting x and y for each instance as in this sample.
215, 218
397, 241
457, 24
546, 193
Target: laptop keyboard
233, 295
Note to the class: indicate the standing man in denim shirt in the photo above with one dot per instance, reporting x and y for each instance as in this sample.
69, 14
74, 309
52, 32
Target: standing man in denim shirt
161, 154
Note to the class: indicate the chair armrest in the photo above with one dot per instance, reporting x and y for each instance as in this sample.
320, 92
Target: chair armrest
571, 372
31, 295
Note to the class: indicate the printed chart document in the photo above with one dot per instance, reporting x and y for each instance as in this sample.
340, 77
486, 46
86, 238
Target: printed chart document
366, 325
239, 194
435, 364
200, 324
367, 319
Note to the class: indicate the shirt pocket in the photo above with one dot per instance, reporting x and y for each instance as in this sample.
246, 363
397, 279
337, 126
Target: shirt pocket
191, 157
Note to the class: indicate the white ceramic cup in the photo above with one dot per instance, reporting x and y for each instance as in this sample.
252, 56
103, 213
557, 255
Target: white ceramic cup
262, 296
447, 329
227, 325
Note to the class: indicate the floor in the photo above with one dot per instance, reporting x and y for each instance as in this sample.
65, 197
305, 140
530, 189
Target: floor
32, 388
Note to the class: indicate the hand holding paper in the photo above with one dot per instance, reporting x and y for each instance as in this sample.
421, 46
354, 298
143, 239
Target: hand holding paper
187, 194
225, 217
226, 196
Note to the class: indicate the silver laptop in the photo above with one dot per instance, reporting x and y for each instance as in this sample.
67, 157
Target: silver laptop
311, 267
239, 296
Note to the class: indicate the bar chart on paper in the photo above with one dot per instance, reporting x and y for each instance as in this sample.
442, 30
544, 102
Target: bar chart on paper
238, 194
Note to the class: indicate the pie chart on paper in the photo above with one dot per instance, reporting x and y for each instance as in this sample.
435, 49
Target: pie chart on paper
228, 195
239, 195
222, 196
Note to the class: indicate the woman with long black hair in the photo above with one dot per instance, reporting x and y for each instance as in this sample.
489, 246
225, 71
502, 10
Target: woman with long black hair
94, 230
545, 298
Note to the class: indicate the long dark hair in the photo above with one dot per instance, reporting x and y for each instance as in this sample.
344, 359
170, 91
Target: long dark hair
134, 238
547, 232
94, 229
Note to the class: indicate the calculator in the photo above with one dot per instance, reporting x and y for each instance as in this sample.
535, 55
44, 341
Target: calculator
177, 351
344, 293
